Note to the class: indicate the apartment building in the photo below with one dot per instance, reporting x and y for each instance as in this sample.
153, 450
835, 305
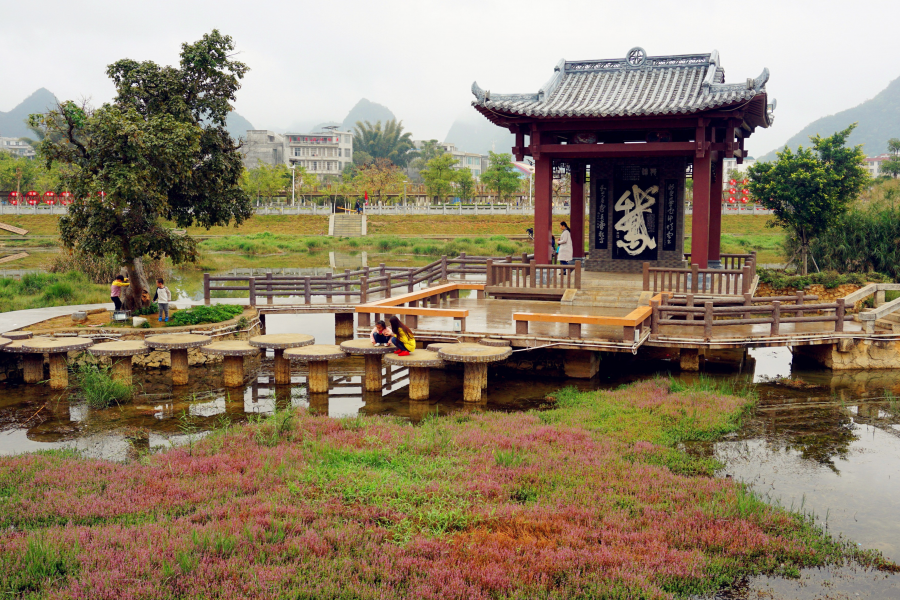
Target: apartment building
873, 164
262, 146
320, 153
17, 147
477, 163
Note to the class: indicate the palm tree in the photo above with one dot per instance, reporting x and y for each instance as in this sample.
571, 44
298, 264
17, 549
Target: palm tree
389, 143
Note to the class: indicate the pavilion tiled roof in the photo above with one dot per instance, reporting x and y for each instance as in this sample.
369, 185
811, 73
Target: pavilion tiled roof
636, 85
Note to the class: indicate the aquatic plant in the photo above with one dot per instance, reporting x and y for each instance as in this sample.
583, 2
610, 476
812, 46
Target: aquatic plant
98, 387
205, 314
574, 501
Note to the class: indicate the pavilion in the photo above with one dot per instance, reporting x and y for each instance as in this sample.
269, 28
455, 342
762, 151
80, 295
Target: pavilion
634, 128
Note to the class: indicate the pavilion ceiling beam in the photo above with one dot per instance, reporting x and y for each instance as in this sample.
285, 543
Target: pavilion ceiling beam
612, 150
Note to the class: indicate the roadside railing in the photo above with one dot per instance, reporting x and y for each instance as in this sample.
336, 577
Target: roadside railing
351, 285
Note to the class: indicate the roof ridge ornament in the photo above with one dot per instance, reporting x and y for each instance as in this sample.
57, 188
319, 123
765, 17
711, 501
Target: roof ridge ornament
636, 57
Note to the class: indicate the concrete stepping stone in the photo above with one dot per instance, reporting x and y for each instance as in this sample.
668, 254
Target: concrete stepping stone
419, 364
18, 335
372, 355
121, 354
234, 353
58, 349
317, 357
475, 359
278, 343
495, 342
178, 344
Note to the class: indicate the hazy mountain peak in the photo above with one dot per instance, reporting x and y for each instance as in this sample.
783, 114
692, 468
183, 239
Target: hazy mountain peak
12, 123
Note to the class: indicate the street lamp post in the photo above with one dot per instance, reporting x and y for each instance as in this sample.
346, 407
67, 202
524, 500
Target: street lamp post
293, 186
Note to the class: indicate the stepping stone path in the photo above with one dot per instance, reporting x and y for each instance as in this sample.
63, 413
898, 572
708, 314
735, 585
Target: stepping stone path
435, 347
475, 359
279, 342
372, 355
419, 364
58, 349
121, 354
18, 335
317, 356
177, 344
496, 343
234, 352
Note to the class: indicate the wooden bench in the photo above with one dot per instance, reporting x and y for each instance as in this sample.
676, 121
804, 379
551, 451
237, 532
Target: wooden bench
392, 305
631, 323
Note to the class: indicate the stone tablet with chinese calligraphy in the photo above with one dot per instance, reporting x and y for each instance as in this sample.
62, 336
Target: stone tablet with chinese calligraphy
636, 193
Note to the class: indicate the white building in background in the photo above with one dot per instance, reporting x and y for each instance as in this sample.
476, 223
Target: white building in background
323, 153
873, 164
730, 164
477, 163
320, 153
17, 147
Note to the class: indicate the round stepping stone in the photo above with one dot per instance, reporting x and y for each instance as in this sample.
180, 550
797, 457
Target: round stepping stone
177, 344
234, 352
121, 353
372, 355
419, 364
58, 349
278, 343
495, 342
435, 347
475, 359
4, 342
18, 335
317, 356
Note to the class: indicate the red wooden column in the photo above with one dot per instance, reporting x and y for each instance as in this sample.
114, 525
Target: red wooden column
576, 210
715, 211
700, 218
543, 207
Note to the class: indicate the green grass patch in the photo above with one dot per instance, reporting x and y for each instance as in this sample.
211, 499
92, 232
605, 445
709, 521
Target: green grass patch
38, 290
205, 314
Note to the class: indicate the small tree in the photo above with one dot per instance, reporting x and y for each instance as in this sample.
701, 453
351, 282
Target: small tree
159, 151
892, 165
809, 191
465, 184
439, 175
379, 179
501, 175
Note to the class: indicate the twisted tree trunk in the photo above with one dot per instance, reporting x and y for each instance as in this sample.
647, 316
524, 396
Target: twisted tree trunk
137, 294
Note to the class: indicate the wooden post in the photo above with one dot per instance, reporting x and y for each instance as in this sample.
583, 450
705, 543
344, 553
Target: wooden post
489, 272
654, 317
521, 327
574, 330
412, 321
328, 288
444, 274
179, 360
532, 272
746, 279
307, 290
346, 285
410, 286
748, 299
695, 277
363, 289
689, 303
647, 277
543, 193
800, 294
269, 280
708, 320
387, 285
251, 283
576, 209
839, 316
578, 275
462, 323
628, 333
715, 209
702, 188
206, 290
776, 318
343, 325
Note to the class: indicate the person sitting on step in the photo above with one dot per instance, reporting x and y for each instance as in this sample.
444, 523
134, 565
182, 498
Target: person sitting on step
403, 338
381, 334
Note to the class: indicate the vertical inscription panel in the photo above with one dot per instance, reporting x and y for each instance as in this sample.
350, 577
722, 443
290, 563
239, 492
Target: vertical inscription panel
635, 214
670, 216
601, 215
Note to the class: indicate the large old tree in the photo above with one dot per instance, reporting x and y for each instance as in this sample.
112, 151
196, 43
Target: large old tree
157, 153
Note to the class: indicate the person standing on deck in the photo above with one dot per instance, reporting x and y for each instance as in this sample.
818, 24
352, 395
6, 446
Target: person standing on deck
115, 291
565, 246
403, 338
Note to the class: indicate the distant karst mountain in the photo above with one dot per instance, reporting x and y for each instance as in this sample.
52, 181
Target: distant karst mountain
237, 125
471, 132
366, 110
12, 123
878, 118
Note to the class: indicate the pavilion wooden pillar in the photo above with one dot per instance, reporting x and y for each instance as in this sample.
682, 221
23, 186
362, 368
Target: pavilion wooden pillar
702, 184
715, 213
543, 208
576, 210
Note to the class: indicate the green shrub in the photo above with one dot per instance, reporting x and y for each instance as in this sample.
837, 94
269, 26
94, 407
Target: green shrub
205, 314
153, 309
313, 243
59, 292
98, 387
828, 279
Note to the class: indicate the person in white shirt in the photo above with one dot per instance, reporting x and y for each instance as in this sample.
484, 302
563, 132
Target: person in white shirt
163, 297
565, 246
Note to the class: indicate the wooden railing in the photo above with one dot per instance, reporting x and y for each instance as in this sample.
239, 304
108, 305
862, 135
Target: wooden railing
350, 286
774, 314
731, 261
533, 275
732, 282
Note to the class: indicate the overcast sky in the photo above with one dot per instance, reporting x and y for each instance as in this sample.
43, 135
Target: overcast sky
312, 61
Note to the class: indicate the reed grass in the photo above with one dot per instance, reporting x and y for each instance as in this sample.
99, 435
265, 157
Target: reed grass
99, 389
